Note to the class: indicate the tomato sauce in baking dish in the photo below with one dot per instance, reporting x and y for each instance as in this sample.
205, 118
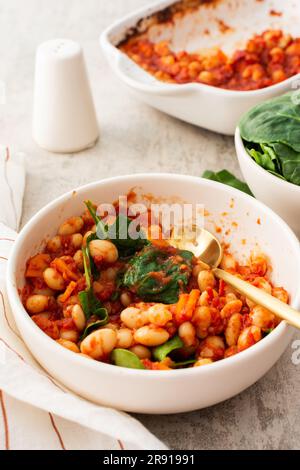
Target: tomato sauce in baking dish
141, 302
267, 59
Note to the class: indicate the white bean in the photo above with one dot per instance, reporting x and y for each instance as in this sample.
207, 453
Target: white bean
54, 279
133, 317
68, 345
159, 315
71, 226
99, 343
76, 240
187, 333
228, 262
54, 244
141, 351
37, 303
125, 299
78, 317
78, 258
233, 329
104, 249
124, 338
151, 335
69, 335
200, 266
203, 362
206, 279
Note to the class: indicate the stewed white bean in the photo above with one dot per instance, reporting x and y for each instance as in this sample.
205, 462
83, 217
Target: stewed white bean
44, 291
262, 317
71, 226
70, 335
78, 258
141, 351
53, 279
124, 338
78, 317
37, 303
99, 343
212, 347
103, 249
159, 315
54, 244
187, 332
228, 262
233, 329
203, 362
125, 299
133, 317
206, 279
76, 240
202, 319
68, 345
151, 335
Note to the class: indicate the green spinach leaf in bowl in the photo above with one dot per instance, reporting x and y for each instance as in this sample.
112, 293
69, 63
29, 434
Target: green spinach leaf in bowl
271, 135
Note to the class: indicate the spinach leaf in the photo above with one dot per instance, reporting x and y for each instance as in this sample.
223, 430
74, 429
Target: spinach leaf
275, 120
125, 358
271, 134
289, 160
228, 178
156, 274
90, 304
92, 327
263, 159
123, 233
267, 332
188, 362
101, 227
161, 352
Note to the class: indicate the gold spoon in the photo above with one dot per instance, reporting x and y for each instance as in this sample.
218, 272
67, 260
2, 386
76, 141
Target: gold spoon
208, 249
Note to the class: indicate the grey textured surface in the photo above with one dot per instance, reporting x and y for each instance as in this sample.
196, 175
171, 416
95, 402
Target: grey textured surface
134, 138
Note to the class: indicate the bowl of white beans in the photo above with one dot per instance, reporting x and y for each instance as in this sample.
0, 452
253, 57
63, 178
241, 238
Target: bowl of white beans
197, 336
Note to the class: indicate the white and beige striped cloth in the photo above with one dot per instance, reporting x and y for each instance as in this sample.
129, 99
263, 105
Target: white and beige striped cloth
35, 411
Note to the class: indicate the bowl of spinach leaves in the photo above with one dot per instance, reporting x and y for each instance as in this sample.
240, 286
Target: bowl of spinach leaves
267, 142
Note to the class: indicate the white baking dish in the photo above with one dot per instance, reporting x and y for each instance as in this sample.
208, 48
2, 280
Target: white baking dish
213, 108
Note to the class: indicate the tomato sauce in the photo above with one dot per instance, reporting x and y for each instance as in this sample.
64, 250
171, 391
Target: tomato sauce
267, 59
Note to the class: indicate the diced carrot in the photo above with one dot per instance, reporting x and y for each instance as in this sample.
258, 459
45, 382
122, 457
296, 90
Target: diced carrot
221, 287
37, 265
186, 306
68, 292
210, 293
63, 268
180, 307
191, 303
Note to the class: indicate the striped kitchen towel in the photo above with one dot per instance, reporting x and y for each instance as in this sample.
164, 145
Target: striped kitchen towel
36, 412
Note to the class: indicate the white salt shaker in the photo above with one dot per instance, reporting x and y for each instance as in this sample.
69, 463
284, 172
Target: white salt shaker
64, 117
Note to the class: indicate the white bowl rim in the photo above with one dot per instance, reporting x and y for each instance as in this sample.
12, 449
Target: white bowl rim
97, 366
105, 41
239, 144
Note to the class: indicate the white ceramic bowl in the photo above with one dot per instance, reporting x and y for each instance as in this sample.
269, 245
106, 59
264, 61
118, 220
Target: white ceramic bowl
213, 108
283, 197
163, 391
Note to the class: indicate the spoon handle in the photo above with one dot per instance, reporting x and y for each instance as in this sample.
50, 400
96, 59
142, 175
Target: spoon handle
260, 297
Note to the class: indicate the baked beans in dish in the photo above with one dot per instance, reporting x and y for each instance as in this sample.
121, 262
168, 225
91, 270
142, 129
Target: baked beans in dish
141, 303
267, 59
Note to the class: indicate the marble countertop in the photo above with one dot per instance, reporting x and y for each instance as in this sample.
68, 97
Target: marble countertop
133, 138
